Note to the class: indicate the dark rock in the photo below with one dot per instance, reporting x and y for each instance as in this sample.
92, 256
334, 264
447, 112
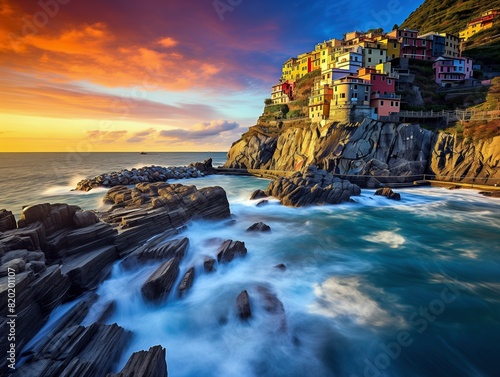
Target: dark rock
150, 363
109, 309
82, 219
273, 305
186, 282
387, 192
16, 265
312, 187
259, 227
262, 203
175, 248
209, 264
243, 306
494, 194
7, 220
229, 250
258, 194
36, 266
281, 267
88, 270
160, 283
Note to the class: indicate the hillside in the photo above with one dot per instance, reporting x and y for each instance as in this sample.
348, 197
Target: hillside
449, 16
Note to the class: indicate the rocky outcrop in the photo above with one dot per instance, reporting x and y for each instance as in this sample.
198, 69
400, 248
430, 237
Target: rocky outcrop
243, 308
258, 194
209, 264
388, 193
259, 227
273, 305
170, 249
312, 187
146, 174
229, 250
390, 152
186, 282
160, 283
459, 160
150, 363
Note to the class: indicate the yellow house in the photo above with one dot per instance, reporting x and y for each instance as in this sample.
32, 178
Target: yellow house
393, 47
288, 70
476, 25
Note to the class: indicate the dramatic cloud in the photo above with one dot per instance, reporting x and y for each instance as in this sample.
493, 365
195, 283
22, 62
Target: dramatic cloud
201, 130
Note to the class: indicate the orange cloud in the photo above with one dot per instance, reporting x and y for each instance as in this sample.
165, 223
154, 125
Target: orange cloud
167, 42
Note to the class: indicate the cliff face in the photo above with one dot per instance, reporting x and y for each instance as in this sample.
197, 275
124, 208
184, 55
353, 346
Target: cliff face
398, 152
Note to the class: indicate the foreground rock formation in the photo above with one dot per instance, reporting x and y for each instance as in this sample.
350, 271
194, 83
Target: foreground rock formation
312, 187
399, 152
56, 252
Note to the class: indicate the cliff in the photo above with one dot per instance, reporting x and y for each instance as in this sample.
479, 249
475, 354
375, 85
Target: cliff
389, 151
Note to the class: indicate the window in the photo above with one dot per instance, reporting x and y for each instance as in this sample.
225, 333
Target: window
354, 95
366, 97
389, 81
369, 60
394, 45
342, 95
355, 87
392, 103
381, 52
370, 51
380, 61
383, 78
381, 103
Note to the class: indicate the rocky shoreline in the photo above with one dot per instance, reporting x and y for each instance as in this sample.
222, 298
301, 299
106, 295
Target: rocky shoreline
146, 174
59, 253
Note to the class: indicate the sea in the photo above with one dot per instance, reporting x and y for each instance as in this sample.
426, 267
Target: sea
371, 288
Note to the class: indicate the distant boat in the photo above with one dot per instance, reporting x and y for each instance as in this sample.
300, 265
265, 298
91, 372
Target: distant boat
143, 153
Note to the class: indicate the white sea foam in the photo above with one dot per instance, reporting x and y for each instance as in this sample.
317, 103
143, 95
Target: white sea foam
390, 238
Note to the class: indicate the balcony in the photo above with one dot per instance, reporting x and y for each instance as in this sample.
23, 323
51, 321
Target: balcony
392, 96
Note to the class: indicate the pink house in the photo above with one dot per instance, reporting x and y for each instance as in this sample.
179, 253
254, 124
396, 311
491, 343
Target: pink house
452, 70
383, 99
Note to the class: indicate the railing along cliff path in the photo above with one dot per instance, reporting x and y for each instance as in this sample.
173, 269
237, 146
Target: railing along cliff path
382, 181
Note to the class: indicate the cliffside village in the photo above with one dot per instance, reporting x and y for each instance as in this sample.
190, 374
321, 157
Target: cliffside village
357, 79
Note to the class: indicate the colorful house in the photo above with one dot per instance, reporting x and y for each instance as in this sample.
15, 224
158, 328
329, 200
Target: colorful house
350, 60
351, 100
485, 21
450, 71
319, 101
283, 92
392, 46
412, 46
383, 99
373, 54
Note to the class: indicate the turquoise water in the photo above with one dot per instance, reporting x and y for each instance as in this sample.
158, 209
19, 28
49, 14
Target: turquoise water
373, 288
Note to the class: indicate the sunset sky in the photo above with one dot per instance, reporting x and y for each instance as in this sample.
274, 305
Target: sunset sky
123, 75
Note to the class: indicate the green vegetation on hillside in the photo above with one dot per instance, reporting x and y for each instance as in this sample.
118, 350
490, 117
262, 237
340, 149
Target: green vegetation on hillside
448, 16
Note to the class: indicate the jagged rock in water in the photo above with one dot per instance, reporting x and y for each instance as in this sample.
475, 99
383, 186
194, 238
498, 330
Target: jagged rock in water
229, 250
273, 305
262, 203
259, 227
209, 264
160, 283
186, 282
204, 167
387, 192
243, 306
281, 266
145, 363
258, 194
312, 187
174, 248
